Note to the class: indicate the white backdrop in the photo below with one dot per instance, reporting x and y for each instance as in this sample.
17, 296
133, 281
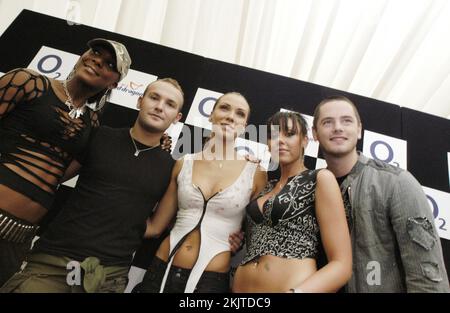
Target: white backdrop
392, 50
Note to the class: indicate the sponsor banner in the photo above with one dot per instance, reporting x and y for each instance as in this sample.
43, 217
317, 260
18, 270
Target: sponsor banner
71, 182
448, 168
201, 108
131, 88
385, 148
258, 150
440, 206
321, 163
135, 276
174, 131
53, 63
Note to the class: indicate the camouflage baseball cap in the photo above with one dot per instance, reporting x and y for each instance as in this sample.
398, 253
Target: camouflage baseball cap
123, 59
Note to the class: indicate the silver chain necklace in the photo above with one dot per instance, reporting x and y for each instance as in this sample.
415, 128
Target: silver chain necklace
139, 150
74, 112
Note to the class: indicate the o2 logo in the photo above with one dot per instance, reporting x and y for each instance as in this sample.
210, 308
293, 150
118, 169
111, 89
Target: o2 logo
245, 150
384, 148
390, 155
202, 104
201, 108
50, 64
53, 63
435, 208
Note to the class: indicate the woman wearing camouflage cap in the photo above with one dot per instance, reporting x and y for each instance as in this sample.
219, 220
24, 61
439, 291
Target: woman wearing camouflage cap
45, 125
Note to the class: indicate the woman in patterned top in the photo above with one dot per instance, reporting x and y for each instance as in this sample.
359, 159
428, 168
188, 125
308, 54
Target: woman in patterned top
45, 125
294, 217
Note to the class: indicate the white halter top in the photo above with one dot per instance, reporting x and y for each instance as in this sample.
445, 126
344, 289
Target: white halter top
216, 217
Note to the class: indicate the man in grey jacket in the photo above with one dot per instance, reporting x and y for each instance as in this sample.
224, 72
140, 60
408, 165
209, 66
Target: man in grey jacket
394, 240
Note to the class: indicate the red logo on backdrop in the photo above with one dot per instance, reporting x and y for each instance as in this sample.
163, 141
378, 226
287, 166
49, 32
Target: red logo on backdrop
135, 86
131, 88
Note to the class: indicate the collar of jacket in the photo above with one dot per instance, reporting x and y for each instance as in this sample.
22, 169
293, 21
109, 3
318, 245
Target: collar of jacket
356, 170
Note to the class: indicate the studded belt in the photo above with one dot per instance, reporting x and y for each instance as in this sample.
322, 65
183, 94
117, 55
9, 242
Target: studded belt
15, 230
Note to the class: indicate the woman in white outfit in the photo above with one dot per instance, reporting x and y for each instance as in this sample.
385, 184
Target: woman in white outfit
211, 190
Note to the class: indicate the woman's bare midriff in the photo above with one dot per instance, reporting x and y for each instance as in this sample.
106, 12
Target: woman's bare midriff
20, 206
272, 274
188, 253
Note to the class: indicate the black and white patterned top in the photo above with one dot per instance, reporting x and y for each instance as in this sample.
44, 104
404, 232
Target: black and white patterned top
287, 227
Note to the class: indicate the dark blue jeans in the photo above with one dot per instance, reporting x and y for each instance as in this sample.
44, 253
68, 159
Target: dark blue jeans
210, 282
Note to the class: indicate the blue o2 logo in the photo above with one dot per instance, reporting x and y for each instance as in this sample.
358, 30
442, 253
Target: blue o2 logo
435, 207
390, 155
46, 60
201, 106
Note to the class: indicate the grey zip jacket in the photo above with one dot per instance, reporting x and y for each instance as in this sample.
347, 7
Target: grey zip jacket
395, 244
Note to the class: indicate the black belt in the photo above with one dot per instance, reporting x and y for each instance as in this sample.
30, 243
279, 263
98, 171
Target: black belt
14, 229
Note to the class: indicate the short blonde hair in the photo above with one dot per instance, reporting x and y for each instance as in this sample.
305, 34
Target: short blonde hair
168, 80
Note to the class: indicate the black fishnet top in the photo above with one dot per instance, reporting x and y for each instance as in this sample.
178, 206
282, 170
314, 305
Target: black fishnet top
38, 139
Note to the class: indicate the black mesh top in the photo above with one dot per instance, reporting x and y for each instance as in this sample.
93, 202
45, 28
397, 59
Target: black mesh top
38, 139
287, 227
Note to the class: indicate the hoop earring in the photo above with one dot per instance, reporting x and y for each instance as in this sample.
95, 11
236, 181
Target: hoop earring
102, 101
98, 105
